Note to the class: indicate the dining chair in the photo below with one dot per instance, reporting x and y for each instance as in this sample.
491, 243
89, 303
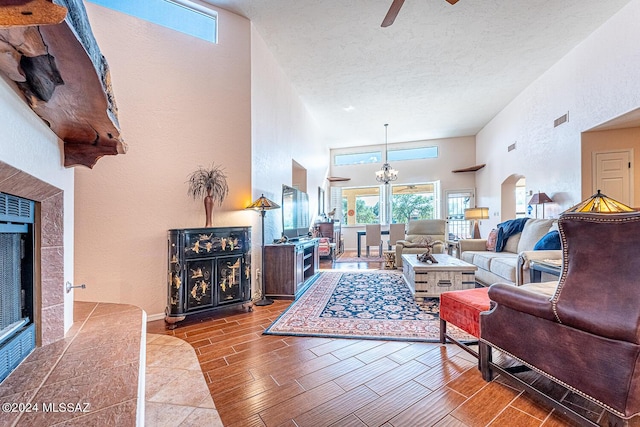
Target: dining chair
396, 232
373, 237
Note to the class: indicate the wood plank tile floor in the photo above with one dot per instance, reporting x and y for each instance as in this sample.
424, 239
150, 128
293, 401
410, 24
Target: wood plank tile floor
261, 380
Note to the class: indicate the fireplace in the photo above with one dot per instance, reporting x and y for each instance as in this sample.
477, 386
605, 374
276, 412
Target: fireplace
46, 291
17, 330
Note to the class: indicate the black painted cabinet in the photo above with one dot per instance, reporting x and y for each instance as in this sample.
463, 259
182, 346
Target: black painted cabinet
208, 268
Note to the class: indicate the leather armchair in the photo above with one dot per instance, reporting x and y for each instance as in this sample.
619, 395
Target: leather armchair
417, 231
587, 336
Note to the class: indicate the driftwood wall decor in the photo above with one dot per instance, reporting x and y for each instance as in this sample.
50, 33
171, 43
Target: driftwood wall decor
56, 63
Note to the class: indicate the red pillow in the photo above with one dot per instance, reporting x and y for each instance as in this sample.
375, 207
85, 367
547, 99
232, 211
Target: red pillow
491, 240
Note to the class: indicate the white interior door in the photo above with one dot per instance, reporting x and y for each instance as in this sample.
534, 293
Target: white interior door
613, 174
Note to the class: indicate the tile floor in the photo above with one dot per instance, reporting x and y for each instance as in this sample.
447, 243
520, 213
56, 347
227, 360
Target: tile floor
176, 391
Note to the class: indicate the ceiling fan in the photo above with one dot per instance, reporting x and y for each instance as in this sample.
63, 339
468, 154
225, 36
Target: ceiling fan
395, 8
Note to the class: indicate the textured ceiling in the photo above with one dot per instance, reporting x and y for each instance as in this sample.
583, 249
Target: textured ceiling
439, 71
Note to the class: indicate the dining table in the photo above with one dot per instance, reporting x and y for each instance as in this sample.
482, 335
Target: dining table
364, 233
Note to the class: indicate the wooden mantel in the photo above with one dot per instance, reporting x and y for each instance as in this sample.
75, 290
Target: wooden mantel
63, 76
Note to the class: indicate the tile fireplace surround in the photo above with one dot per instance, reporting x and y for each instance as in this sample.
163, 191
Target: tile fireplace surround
49, 253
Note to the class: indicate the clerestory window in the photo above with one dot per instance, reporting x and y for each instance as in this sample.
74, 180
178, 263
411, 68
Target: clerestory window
180, 15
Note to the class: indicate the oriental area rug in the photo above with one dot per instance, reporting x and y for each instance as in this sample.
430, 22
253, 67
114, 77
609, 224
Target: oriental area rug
362, 305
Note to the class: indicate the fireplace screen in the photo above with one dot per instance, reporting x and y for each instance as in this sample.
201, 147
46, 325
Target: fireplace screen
10, 284
16, 281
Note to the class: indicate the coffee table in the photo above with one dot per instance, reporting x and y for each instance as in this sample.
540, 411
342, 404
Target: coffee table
430, 280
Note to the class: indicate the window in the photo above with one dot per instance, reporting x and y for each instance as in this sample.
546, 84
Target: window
361, 205
366, 205
414, 201
413, 154
357, 158
179, 15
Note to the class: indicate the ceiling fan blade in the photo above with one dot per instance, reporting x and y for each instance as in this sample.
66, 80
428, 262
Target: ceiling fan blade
392, 13
452, 1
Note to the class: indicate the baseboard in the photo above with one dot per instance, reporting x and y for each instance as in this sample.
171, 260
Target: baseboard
153, 317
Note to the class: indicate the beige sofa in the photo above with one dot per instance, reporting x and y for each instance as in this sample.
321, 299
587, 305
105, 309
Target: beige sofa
417, 232
512, 264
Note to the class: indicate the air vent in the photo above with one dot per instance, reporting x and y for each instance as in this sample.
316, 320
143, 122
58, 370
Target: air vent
511, 147
16, 209
560, 120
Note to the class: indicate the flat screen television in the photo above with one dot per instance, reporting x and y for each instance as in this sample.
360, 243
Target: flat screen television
295, 213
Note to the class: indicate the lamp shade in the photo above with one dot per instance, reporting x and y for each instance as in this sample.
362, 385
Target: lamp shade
540, 199
600, 203
476, 213
263, 204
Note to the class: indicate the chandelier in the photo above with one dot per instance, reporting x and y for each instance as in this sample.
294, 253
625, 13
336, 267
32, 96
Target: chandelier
387, 173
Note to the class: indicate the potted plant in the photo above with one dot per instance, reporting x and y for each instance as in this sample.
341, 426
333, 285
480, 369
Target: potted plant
212, 184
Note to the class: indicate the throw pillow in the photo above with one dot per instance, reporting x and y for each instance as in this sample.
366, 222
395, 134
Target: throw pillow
549, 241
491, 240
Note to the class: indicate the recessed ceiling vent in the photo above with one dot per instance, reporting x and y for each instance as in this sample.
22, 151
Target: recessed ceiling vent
511, 147
560, 120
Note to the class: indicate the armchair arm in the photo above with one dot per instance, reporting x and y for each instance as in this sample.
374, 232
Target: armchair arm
522, 300
402, 242
472, 245
525, 257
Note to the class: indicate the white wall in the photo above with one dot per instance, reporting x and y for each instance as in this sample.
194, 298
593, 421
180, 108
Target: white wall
183, 102
597, 81
282, 130
27, 143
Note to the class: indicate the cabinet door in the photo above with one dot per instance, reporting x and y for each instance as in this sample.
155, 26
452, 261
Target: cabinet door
229, 278
199, 292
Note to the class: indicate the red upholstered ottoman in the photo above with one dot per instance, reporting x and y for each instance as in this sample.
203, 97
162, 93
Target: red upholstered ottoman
462, 309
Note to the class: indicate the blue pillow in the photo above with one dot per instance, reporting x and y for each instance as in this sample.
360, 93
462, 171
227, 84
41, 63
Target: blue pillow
551, 240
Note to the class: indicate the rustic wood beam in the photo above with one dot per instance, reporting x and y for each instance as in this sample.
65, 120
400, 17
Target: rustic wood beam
65, 80
30, 12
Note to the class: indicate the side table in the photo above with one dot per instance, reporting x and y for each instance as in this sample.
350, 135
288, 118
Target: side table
453, 246
536, 268
389, 260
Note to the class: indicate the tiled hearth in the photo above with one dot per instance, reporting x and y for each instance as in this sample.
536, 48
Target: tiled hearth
98, 363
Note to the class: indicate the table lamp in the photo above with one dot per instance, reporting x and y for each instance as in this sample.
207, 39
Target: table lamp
476, 214
540, 199
600, 203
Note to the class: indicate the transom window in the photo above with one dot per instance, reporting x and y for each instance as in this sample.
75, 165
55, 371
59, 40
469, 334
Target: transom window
413, 154
180, 15
392, 156
358, 158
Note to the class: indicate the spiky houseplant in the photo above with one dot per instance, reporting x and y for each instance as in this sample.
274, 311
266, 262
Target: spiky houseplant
212, 184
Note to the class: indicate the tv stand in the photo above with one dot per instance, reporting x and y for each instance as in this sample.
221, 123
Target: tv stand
290, 267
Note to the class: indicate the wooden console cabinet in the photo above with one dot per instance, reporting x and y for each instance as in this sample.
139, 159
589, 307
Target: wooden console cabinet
289, 268
209, 268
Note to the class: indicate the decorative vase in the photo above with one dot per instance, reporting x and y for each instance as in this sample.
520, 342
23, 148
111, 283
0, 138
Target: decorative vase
208, 209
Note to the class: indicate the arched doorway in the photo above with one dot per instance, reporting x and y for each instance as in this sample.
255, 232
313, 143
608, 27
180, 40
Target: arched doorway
511, 198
